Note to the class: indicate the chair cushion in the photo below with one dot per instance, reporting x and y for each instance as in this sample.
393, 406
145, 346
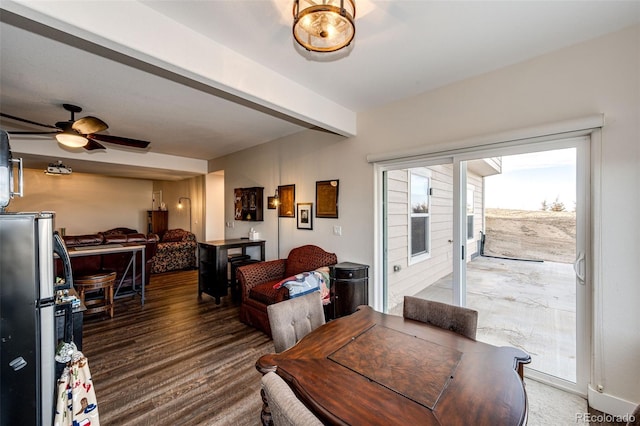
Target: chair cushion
120, 231
265, 293
115, 238
83, 240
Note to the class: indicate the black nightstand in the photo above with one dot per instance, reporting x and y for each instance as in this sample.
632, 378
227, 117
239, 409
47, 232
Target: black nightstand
349, 288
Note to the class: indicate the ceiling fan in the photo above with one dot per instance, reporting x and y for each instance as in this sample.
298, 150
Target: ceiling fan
82, 132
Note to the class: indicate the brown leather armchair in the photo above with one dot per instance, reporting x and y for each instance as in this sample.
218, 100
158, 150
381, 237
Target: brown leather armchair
257, 281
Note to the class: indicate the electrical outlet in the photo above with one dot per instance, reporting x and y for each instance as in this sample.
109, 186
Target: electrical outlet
337, 230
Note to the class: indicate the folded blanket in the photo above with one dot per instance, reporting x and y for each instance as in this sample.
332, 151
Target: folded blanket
307, 282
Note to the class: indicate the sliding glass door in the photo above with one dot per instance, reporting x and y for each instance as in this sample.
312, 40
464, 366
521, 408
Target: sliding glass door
503, 231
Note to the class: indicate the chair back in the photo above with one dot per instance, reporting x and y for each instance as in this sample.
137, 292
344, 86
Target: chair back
286, 408
460, 320
308, 258
292, 319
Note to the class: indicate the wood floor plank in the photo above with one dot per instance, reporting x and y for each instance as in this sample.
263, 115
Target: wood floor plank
175, 360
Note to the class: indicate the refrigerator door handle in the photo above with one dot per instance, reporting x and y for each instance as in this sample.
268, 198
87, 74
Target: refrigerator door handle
18, 363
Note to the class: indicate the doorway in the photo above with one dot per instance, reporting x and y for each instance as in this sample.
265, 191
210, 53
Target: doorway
530, 289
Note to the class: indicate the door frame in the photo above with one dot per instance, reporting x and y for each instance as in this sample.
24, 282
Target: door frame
583, 248
541, 136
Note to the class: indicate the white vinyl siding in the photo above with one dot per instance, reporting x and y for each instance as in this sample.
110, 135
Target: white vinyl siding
413, 276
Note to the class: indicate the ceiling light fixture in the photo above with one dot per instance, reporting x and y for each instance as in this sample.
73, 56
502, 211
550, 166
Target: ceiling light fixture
71, 138
324, 27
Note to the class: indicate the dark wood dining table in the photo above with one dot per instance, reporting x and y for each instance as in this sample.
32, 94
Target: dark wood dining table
378, 369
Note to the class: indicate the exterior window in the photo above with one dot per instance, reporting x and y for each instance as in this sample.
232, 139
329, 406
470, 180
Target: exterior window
419, 213
470, 204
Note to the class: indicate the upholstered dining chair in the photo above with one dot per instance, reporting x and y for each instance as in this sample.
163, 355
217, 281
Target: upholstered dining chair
292, 319
460, 320
286, 409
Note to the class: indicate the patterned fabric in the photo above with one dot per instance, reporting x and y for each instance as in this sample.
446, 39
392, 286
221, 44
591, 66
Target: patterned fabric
308, 258
176, 250
267, 294
176, 235
76, 403
259, 273
256, 297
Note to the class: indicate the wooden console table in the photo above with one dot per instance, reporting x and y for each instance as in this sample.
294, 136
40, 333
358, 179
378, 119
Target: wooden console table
377, 369
132, 248
212, 268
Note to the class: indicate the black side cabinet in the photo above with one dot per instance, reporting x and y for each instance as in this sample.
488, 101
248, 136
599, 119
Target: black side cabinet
349, 288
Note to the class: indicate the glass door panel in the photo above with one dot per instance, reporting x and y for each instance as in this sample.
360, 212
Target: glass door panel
418, 233
453, 233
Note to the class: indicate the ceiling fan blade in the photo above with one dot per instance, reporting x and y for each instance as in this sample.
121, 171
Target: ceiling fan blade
91, 145
134, 143
89, 124
26, 121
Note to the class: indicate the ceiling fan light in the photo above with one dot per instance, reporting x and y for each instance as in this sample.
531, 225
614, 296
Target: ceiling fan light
325, 27
71, 139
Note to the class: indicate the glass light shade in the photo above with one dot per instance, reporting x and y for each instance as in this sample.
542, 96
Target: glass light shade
324, 27
71, 139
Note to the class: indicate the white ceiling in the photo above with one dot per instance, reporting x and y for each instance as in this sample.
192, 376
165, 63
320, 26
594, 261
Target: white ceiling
202, 79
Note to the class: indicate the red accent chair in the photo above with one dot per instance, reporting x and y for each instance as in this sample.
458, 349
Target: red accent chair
257, 281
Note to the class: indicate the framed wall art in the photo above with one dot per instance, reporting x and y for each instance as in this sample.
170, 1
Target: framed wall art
305, 218
248, 203
287, 199
327, 198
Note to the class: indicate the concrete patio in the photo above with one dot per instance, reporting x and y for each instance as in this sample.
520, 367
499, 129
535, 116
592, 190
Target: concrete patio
529, 305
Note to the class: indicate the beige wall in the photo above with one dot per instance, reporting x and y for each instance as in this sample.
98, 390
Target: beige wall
599, 76
302, 160
85, 203
193, 188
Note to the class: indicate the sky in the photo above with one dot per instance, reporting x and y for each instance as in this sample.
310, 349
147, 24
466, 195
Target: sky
529, 179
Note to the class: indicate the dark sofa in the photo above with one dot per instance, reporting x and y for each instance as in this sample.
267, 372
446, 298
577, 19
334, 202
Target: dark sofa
118, 262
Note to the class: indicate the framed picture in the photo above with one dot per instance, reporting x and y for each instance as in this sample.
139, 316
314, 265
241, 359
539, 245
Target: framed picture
287, 199
327, 198
248, 203
305, 218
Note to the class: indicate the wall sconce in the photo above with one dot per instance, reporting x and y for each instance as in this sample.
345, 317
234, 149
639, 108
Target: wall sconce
180, 207
272, 202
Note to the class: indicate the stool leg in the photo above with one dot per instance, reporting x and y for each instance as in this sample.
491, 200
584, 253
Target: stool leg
111, 300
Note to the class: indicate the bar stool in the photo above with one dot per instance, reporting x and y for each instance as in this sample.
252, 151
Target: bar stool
103, 281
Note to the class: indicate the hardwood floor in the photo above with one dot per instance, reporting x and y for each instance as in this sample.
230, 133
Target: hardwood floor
176, 360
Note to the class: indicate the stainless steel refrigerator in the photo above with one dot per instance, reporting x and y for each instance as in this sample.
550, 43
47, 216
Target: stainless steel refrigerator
27, 309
